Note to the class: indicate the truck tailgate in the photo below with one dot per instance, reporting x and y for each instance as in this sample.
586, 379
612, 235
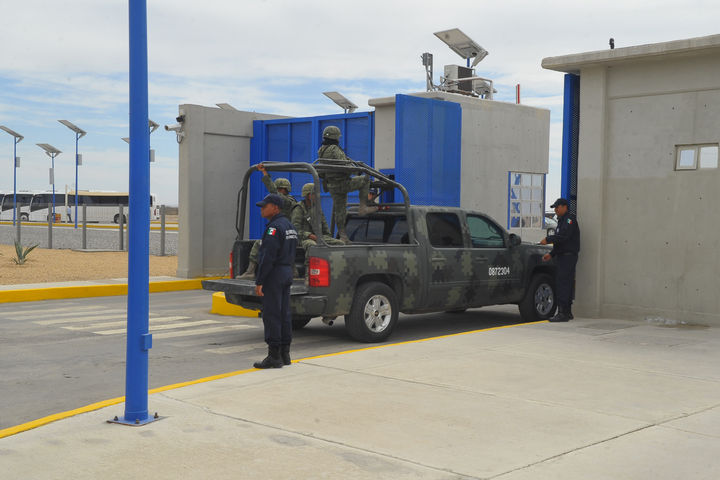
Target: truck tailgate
247, 287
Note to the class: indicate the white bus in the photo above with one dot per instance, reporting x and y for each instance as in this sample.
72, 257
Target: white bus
102, 207
42, 203
8, 205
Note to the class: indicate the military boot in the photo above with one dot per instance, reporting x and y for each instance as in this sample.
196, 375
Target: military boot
342, 235
560, 316
285, 354
569, 313
273, 359
250, 272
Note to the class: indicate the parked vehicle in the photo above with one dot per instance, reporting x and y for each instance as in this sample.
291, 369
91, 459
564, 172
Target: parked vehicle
8, 205
404, 258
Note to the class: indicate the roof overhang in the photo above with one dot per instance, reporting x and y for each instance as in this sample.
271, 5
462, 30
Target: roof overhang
574, 63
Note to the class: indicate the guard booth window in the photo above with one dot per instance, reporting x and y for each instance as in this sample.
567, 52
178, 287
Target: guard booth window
483, 233
444, 230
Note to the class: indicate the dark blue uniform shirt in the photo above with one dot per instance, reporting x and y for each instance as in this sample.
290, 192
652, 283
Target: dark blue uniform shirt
567, 236
278, 247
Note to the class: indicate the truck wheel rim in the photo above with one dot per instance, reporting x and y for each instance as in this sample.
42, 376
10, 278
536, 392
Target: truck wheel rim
544, 299
377, 313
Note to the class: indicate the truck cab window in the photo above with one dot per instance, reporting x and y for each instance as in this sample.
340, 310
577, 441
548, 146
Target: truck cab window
444, 230
483, 233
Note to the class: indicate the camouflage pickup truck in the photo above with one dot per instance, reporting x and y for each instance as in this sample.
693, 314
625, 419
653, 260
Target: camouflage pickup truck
403, 258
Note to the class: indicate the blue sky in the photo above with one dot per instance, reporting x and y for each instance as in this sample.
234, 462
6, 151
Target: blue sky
69, 60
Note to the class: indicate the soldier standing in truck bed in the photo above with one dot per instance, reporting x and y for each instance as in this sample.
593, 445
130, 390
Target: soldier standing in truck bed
282, 187
339, 184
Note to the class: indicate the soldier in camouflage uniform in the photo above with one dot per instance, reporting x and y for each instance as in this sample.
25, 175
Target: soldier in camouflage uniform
282, 187
302, 217
340, 184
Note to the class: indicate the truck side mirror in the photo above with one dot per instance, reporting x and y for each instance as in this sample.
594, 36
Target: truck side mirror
515, 240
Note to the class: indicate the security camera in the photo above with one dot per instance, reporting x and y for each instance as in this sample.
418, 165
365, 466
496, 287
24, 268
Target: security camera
180, 119
175, 127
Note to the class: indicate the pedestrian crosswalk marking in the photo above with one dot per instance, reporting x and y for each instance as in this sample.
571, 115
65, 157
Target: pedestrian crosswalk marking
120, 323
201, 331
161, 327
75, 318
58, 312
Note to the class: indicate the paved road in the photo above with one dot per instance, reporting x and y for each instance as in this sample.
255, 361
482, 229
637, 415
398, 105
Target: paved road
63, 354
68, 237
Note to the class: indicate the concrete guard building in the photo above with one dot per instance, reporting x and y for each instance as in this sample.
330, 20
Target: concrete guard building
640, 164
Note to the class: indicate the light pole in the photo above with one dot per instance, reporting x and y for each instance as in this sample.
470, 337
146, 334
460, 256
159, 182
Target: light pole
153, 126
18, 139
52, 152
79, 133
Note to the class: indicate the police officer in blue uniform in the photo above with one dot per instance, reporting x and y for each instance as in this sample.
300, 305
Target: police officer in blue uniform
566, 246
276, 263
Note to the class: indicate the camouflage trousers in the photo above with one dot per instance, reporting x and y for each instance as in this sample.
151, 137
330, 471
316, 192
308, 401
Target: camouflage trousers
338, 192
254, 251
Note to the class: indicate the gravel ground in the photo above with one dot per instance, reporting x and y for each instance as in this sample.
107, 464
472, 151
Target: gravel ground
68, 237
45, 265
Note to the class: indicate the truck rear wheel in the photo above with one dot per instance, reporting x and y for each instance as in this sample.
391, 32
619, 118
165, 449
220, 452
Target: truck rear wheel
373, 314
539, 301
299, 321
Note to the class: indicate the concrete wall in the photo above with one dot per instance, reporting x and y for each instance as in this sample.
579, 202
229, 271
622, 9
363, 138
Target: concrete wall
650, 243
214, 155
497, 137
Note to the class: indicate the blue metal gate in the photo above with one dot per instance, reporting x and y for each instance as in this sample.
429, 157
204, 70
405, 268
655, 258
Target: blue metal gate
298, 140
427, 149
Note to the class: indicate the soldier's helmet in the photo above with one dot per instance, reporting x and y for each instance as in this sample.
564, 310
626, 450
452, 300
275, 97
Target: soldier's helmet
283, 183
307, 189
332, 132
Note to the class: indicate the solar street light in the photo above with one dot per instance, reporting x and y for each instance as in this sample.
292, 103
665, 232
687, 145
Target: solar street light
16, 164
341, 101
52, 152
79, 133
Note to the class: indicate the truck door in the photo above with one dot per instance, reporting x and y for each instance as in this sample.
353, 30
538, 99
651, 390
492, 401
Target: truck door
450, 262
494, 271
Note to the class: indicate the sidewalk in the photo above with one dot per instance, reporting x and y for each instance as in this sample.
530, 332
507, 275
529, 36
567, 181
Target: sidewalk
591, 399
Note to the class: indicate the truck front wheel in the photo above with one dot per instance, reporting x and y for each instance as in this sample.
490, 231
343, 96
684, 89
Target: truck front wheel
539, 301
373, 314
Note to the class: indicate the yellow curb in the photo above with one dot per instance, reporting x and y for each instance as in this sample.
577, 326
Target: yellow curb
221, 306
87, 291
114, 401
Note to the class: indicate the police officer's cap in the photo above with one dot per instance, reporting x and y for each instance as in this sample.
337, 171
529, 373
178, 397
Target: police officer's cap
558, 202
271, 198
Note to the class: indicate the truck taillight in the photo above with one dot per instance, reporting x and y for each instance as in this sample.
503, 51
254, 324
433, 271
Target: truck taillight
232, 273
319, 272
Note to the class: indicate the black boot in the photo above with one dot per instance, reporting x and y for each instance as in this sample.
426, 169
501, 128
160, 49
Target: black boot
569, 313
561, 316
285, 354
273, 359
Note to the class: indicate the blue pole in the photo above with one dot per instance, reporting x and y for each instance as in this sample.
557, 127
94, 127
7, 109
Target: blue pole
77, 137
139, 341
14, 177
52, 159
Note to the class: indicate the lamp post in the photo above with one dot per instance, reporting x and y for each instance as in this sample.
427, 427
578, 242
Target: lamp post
153, 126
18, 139
52, 152
79, 133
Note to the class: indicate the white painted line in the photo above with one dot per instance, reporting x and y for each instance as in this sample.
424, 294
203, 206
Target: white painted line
160, 327
90, 318
202, 331
237, 348
124, 322
44, 312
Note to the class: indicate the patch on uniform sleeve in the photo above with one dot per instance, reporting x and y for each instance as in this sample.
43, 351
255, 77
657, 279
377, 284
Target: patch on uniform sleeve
569, 221
271, 231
